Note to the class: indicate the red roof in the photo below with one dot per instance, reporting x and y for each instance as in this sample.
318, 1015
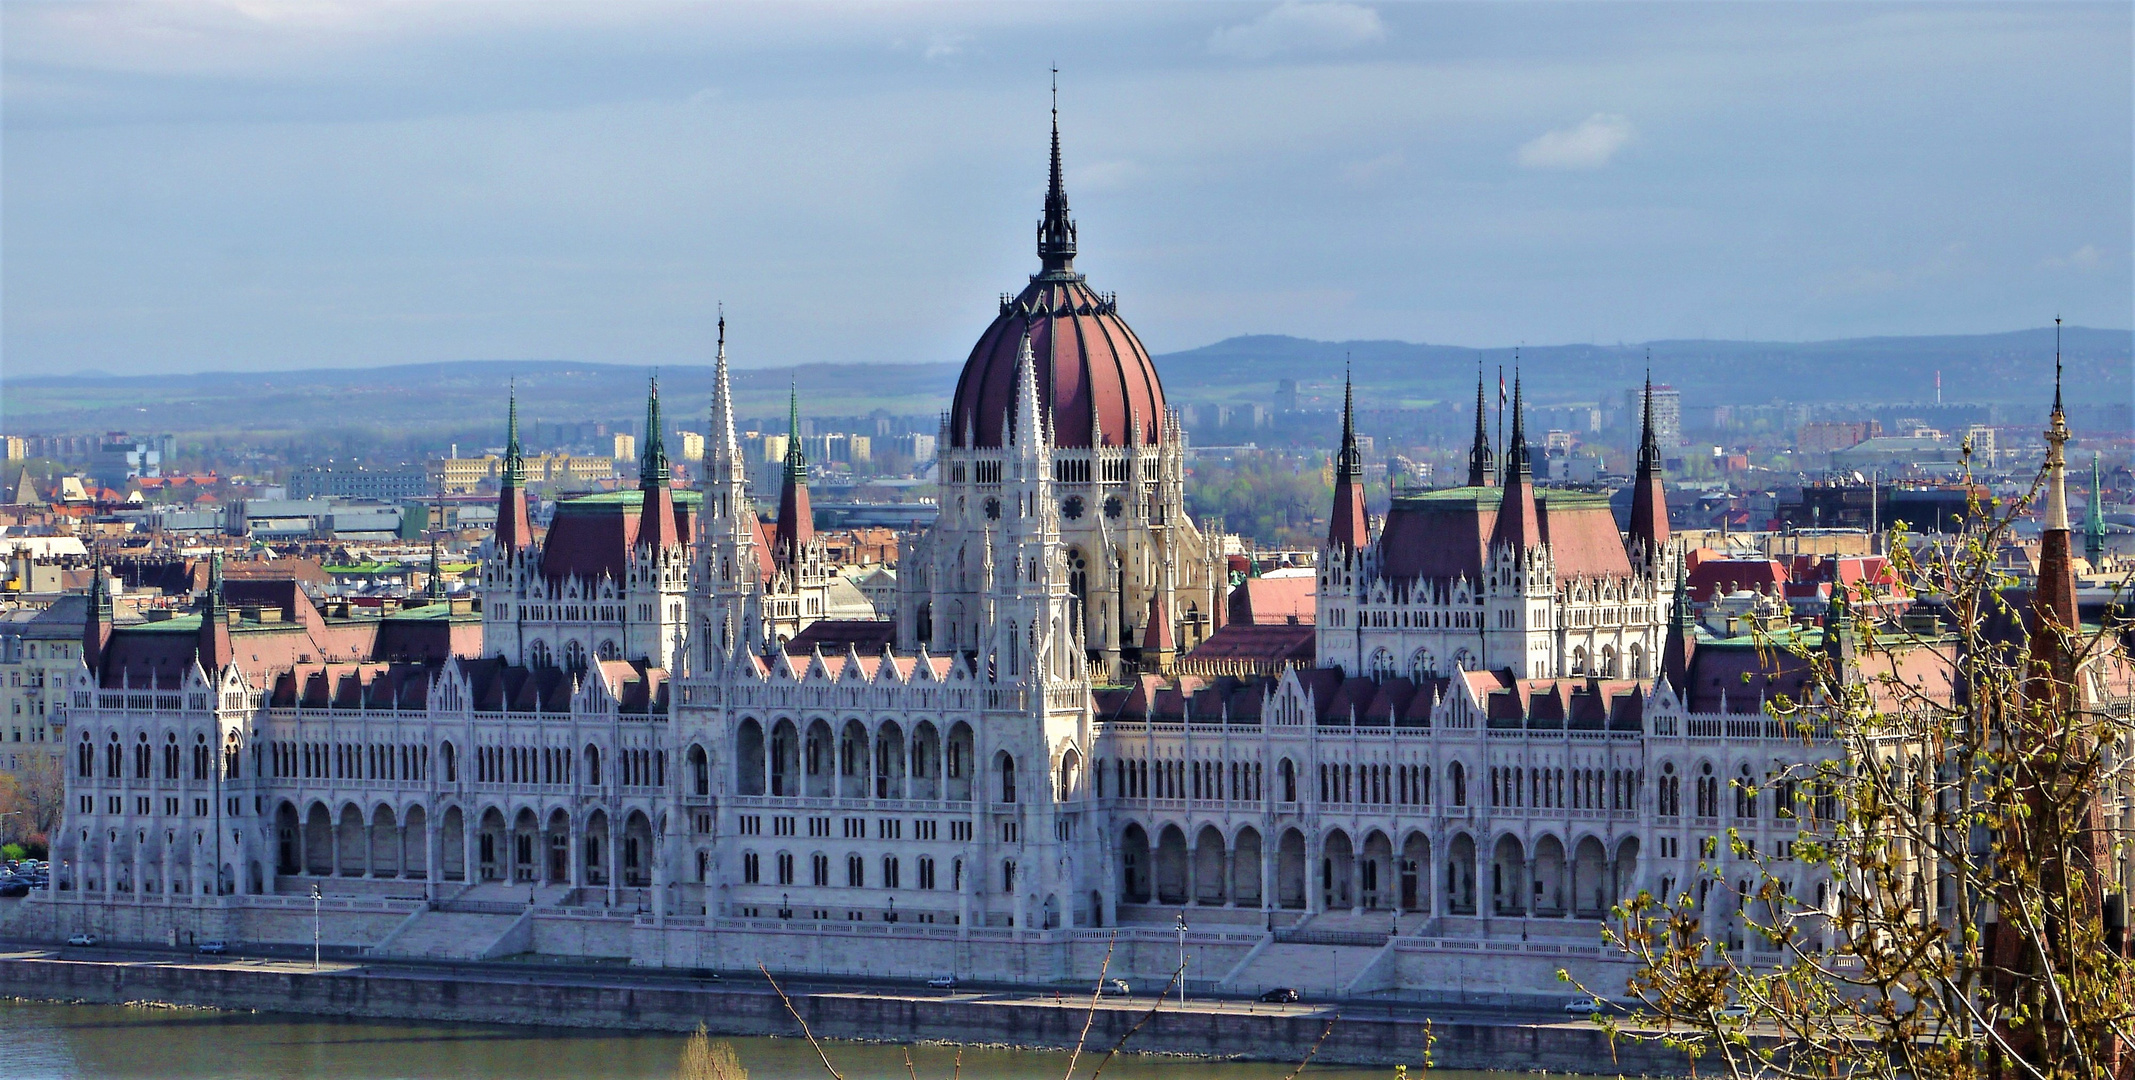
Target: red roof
1092, 369
1272, 601
1444, 536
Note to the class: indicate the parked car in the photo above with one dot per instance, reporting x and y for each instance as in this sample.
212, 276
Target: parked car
942, 982
15, 888
1280, 994
1734, 1012
84, 940
217, 947
1115, 988
1586, 1006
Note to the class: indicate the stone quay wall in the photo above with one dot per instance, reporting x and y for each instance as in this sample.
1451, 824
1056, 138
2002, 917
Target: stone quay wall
533, 997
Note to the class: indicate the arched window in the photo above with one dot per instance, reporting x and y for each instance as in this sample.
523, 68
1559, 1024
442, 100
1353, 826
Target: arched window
1746, 795
1671, 793
1422, 665
452, 763
537, 654
1008, 778
1382, 665
1289, 780
609, 650
1464, 661
1458, 773
1638, 661
574, 656
1708, 791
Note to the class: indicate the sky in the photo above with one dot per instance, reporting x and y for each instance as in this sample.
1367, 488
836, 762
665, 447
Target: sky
256, 185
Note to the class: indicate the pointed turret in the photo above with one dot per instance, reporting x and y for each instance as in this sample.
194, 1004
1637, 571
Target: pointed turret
96, 629
1649, 503
657, 527
215, 649
1056, 231
515, 528
434, 587
796, 519
1347, 528
1158, 645
1482, 463
2094, 520
1519, 522
2053, 619
1681, 647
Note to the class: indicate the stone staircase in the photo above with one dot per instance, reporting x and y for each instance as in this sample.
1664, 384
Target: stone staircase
1314, 970
452, 935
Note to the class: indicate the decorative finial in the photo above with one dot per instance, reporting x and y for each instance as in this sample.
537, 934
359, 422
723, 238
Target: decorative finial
1056, 233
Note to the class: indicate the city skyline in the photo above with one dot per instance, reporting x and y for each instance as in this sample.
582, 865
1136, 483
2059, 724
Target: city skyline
213, 188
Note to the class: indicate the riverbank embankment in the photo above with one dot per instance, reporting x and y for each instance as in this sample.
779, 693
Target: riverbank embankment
521, 994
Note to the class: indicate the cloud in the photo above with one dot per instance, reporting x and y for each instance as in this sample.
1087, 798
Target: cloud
1589, 145
1369, 173
1103, 176
945, 47
2087, 257
1294, 26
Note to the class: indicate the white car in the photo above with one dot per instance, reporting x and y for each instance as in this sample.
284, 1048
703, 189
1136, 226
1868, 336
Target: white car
82, 939
942, 982
1586, 1006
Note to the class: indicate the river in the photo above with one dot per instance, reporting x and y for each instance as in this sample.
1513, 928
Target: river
104, 1042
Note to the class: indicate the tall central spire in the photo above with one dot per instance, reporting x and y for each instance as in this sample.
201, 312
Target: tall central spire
1056, 233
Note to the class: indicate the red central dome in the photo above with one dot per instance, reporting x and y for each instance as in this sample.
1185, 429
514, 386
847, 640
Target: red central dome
1093, 373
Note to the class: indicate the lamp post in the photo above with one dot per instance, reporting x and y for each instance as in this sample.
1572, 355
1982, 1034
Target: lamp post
315, 926
1182, 957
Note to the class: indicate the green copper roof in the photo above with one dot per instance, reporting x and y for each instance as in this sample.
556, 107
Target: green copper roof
631, 499
1489, 496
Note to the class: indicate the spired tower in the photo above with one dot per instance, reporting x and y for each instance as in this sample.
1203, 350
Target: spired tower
609, 579
1137, 569
730, 562
1496, 574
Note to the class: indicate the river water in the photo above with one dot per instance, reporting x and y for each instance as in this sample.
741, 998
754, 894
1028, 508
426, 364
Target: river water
103, 1042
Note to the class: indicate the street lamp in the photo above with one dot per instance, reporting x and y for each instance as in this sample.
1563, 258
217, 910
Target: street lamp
892, 916
315, 926
1182, 957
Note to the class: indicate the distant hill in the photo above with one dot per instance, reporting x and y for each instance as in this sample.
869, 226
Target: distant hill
465, 400
2012, 367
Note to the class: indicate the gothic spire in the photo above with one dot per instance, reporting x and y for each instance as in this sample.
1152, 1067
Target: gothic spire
1482, 464
796, 517
1352, 461
1516, 454
1649, 501
515, 527
652, 463
1056, 233
1347, 526
215, 651
1649, 447
2094, 519
1519, 522
434, 588
514, 457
